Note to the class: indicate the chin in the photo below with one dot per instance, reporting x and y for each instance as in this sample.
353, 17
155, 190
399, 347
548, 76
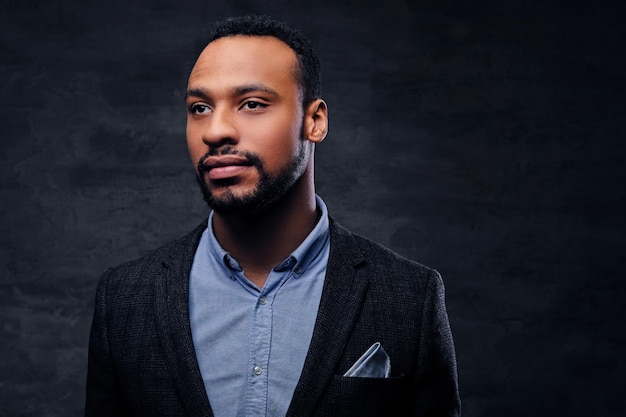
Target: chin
236, 200
248, 205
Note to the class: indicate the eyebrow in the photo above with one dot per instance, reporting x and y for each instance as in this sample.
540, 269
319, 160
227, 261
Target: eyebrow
234, 92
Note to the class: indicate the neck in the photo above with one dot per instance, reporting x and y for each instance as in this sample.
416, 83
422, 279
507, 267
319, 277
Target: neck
261, 241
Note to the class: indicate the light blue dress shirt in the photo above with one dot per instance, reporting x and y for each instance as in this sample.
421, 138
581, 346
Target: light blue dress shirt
251, 343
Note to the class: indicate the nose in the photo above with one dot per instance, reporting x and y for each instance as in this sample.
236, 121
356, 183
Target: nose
220, 129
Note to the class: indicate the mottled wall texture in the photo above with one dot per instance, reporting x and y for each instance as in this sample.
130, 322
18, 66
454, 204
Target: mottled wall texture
482, 138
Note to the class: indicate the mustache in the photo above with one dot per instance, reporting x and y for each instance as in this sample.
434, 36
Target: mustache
251, 157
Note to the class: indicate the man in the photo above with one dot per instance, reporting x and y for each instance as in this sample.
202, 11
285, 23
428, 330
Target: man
268, 308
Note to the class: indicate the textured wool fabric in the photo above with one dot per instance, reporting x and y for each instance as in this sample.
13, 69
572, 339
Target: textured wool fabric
142, 361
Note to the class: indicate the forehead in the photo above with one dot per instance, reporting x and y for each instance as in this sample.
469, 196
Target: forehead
240, 59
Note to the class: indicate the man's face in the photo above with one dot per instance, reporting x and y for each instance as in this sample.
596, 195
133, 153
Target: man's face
244, 122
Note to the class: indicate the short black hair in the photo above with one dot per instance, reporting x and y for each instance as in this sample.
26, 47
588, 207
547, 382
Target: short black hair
309, 72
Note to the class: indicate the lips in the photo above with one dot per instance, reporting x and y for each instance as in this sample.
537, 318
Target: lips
225, 166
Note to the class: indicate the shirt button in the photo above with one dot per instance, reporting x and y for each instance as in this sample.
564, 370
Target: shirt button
257, 370
263, 300
297, 270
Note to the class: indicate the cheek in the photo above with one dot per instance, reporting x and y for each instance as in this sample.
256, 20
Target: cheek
276, 151
278, 138
195, 146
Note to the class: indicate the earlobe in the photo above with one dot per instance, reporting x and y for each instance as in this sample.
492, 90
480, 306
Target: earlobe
316, 121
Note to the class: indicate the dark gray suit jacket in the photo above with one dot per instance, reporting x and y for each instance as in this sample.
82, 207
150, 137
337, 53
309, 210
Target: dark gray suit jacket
142, 360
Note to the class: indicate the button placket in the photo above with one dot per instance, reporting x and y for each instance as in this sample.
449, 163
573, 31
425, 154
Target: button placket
256, 400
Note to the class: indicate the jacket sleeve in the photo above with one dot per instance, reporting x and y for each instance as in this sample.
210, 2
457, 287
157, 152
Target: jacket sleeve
104, 397
436, 381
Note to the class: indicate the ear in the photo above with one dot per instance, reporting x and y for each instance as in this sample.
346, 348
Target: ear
316, 121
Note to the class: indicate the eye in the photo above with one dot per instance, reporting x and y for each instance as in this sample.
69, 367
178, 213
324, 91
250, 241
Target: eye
199, 108
253, 105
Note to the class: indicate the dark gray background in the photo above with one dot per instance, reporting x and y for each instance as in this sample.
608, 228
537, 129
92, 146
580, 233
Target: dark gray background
482, 138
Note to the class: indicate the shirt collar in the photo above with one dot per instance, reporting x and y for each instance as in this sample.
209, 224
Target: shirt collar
298, 260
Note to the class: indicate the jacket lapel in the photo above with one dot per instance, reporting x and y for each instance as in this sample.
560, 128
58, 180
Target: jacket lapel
341, 300
339, 307
173, 324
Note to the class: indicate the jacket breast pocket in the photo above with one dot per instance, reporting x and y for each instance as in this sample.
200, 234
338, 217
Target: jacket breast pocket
363, 397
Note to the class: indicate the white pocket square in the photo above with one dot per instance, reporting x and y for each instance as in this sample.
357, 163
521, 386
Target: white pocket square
374, 363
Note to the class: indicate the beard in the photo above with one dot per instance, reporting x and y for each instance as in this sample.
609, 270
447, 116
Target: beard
269, 189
